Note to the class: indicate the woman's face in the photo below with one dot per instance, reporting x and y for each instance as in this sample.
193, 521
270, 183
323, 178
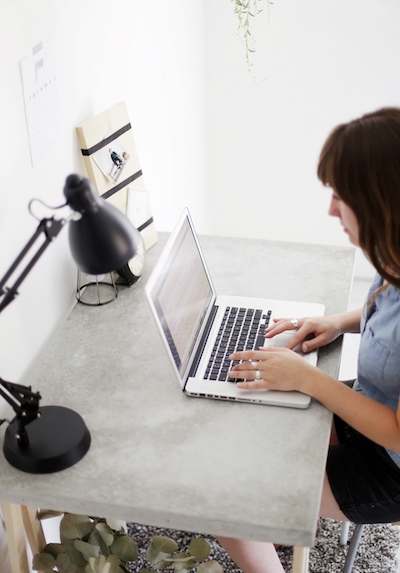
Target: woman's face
347, 218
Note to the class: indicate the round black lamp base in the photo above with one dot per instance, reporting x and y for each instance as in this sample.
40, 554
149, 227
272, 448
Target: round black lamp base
57, 440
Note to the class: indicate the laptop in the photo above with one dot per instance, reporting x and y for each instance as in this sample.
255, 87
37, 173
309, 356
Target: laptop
191, 319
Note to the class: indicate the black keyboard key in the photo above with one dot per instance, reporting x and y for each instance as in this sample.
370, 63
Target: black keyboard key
259, 341
241, 329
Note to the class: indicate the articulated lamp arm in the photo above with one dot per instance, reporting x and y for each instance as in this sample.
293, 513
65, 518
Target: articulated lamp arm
101, 239
50, 228
25, 404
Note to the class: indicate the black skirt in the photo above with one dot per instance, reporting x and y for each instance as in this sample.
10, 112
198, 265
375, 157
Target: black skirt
364, 479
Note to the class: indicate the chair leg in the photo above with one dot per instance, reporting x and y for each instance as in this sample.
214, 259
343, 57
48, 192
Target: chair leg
344, 533
351, 553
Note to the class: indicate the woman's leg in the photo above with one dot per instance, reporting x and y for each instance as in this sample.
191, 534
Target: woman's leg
329, 506
260, 557
252, 556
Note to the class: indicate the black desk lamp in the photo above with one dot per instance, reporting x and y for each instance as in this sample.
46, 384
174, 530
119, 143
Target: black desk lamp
52, 438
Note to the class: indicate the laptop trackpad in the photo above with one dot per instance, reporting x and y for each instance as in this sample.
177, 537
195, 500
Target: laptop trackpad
282, 340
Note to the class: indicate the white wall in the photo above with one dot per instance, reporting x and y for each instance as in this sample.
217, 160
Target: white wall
324, 63
241, 155
143, 53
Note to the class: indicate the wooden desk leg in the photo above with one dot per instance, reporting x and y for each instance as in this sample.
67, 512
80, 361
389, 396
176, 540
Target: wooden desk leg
300, 559
33, 528
21, 520
16, 537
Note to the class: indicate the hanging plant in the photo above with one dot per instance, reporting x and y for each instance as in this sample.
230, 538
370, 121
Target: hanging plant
246, 11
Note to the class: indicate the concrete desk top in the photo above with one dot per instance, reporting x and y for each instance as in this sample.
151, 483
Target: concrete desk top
161, 458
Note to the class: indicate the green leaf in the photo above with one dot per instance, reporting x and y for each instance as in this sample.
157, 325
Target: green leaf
96, 540
106, 533
116, 524
62, 562
156, 557
66, 564
199, 549
125, 548
112, 564
96, 564
75, 526
54, 549
67, 543
103, 565
87, 549
43, 562
210, 567
160, 549
182, 562
165, 544
76, 560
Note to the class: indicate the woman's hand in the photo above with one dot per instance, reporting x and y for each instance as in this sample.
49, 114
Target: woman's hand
271, 368
312, 332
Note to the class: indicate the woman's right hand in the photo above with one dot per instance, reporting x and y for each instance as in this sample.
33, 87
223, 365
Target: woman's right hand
312, 332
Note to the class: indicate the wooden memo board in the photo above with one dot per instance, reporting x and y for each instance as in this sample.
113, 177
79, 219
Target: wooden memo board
120, 181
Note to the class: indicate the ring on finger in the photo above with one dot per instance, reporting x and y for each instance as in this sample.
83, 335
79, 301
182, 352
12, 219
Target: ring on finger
254, 364
258, 375
295, 322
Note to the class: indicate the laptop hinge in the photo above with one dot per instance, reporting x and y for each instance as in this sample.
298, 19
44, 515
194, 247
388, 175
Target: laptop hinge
203, 341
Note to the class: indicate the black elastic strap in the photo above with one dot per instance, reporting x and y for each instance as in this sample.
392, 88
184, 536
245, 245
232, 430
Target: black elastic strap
122, 184
106, 141
146, 224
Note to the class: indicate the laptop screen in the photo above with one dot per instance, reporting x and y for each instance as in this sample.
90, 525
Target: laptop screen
181, 295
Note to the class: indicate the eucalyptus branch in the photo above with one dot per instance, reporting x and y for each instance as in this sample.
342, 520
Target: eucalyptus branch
97, 545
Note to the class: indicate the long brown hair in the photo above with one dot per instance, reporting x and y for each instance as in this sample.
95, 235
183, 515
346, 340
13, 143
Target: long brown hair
361, 161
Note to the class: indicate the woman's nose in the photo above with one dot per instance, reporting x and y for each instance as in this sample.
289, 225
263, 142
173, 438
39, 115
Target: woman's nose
333, 208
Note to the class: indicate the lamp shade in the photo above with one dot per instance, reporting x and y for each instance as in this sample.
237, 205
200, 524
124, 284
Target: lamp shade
103, 239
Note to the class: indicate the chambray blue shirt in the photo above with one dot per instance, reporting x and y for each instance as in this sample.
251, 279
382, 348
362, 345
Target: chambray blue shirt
379, 355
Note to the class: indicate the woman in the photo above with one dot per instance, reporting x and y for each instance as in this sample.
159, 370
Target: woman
360, 162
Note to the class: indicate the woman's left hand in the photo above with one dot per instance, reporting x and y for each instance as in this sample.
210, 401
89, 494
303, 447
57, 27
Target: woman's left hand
272, 368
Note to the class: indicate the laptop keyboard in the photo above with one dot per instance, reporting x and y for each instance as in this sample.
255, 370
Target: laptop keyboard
241, 329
